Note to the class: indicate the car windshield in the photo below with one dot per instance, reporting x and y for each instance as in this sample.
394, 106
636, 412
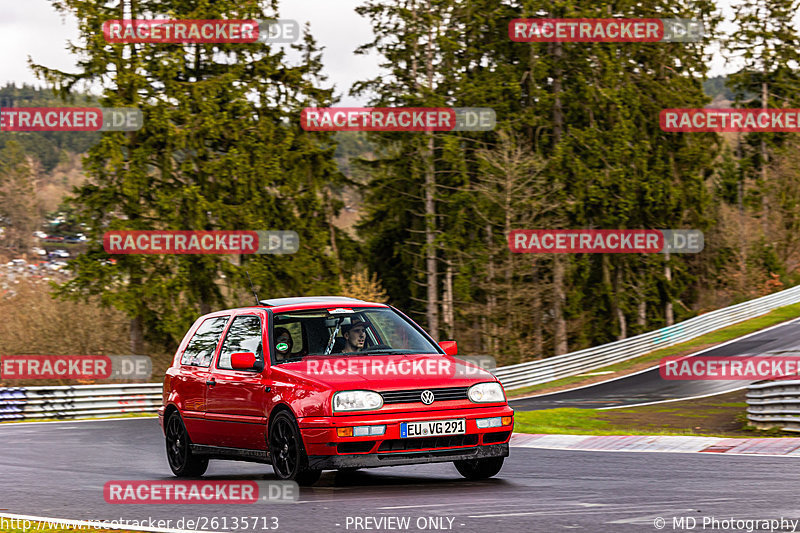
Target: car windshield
345, 331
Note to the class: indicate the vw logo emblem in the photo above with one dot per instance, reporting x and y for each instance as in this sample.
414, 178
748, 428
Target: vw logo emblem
426, 397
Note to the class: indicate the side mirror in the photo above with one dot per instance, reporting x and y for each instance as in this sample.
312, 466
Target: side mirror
243, 360
449, 347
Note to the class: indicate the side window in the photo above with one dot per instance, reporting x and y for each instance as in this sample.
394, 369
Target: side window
244, 335
200, 349
289, 340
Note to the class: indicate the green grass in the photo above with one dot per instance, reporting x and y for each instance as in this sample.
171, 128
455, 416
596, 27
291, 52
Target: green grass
565, 420
722, 415
573, 421
776, 316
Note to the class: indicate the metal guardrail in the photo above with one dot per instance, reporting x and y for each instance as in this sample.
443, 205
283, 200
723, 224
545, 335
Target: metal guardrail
562, 366
774, 404
31, 403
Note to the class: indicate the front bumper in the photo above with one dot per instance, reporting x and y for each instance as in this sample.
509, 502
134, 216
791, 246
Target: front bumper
326, 450
371, 460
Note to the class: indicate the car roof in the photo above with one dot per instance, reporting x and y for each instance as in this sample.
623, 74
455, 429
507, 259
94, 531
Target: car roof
280, 305
278, 302
315, 302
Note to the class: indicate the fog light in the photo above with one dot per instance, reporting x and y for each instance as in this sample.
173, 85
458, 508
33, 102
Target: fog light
484, 423
364, 431
344, 432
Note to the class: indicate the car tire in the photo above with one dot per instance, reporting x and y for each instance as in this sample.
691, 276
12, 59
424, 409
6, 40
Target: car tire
474, 469
182, 461
287, 453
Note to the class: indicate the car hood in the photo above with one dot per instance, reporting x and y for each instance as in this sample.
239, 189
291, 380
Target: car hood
387, 372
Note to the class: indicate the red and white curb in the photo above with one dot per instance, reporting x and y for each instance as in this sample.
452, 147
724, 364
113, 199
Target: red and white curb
670, 444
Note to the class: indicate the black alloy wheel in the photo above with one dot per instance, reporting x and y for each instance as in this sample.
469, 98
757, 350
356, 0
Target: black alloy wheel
288, 457
179, 453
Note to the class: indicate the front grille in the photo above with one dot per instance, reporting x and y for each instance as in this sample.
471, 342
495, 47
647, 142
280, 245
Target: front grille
491, 438
355, 447
413, 396
448, 441
461, 453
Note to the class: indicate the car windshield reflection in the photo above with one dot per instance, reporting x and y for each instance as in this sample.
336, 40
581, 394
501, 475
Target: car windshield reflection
346, 332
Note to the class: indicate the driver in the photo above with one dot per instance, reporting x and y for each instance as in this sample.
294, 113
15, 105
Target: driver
354, 336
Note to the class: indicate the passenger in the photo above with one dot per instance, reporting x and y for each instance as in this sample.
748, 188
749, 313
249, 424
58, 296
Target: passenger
283, 344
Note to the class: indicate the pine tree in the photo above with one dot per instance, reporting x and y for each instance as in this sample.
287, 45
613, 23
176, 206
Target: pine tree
766, 42
221, 149
18, 203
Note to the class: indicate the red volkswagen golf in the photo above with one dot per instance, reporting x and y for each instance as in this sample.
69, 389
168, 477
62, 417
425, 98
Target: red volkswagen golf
326, 383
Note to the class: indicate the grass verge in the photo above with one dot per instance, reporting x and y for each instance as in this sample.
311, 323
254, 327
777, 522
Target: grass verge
776, 316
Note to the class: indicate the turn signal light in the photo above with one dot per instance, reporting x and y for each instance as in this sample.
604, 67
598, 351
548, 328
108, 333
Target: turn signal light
361, 431
494, 422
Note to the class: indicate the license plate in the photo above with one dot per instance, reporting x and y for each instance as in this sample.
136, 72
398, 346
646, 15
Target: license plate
433, 428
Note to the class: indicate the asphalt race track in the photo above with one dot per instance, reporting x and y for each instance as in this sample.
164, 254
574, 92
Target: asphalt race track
58, 471
648, 386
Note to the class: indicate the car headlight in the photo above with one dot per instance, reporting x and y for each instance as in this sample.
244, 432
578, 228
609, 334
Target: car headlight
357, 400
486, 393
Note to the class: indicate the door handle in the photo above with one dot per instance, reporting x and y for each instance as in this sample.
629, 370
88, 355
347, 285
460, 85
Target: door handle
211, 382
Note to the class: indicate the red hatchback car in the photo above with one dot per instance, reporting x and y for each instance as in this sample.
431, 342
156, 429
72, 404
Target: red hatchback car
328, 383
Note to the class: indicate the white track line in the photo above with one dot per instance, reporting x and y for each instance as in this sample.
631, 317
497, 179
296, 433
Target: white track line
672, 400
653, 447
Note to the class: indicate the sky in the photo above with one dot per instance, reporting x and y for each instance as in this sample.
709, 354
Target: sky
334, 23
32, 28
